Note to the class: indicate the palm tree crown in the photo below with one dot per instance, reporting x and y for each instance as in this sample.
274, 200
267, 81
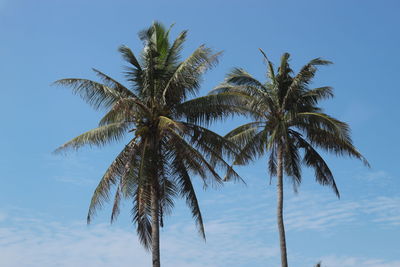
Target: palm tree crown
288, 124
168, 143
285, 113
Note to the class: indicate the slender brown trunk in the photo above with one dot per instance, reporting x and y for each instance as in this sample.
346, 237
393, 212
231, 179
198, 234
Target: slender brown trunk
281, 227
155, 228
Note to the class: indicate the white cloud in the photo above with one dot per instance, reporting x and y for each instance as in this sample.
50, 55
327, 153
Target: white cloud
318, 212
240, 230
33, 242
307, 211
385, 210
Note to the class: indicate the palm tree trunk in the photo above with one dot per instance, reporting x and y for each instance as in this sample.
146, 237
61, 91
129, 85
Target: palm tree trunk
155, 228
281, 227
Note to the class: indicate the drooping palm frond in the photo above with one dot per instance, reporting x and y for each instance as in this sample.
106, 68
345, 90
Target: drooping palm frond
291, 160
187, 191
112, 177
141, 215
312, 159
196, 159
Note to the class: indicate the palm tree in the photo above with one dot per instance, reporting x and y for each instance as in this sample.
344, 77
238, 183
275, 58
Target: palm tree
289, 125
169, 141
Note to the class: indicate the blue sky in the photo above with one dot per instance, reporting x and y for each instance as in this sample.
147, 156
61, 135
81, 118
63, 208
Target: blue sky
44, 197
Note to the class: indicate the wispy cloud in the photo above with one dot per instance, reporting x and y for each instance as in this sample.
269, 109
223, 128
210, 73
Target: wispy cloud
241, 231
33, 242
73, 169
306, 211
378, 178
384, 210
317, 212
41, 243
37, 240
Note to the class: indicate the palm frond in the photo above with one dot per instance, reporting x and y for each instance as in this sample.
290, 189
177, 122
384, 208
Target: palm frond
335, 144
166, 123
117, 199
312, 159
114, 84
97, 137
126, 110
187, 191
174, 52
311, 97
194, 158
207, 109
244, 133
95, 94
129, 56
141, 215
240, 77
271, 72
284, 68
272, 162
210, 143
185, 79
110, 178
303, 78
318, 120
254, 101
291, 160
254, 147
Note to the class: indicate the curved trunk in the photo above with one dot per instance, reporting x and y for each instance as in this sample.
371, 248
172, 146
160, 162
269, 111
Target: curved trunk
155, 228
281, 227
